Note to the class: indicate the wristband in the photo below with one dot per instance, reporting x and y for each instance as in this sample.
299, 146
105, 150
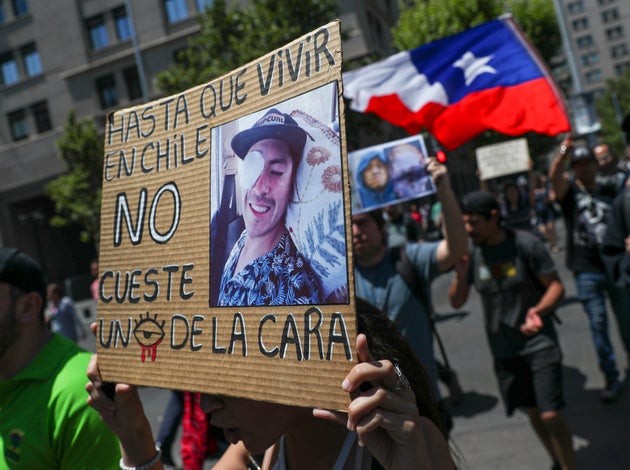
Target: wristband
563, 150
145, 466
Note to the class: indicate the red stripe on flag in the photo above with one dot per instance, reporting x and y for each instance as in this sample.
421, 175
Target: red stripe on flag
529, 107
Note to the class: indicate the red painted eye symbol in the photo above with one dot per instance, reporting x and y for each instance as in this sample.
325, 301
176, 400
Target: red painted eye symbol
149, 334
148, 331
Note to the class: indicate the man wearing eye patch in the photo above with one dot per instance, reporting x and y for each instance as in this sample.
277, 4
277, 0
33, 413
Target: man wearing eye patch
264, 266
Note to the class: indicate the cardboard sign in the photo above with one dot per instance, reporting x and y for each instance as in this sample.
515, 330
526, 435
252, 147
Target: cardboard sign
389, 173
225, 237
501, 159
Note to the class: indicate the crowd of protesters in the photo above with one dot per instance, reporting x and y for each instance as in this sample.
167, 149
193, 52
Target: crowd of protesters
498, 242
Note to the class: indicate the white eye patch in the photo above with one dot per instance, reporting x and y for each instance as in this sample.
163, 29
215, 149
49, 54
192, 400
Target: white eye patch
251, 169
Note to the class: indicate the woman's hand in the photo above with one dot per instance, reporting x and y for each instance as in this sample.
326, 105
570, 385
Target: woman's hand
124, 415
386, 419
119, 412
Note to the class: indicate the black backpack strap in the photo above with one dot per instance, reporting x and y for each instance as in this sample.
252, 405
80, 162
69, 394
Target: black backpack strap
409, 274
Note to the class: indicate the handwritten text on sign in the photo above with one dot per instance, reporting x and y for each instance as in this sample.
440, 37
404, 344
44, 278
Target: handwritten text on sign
155, 324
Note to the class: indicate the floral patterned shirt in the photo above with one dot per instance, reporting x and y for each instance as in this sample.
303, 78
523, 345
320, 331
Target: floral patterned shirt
281, 277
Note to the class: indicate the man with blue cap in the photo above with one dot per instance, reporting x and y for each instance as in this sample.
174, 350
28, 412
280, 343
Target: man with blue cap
373, 181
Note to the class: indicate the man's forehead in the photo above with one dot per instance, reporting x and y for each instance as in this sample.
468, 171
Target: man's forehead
473, 217
5, 289
273, 148
376, 162
360, 218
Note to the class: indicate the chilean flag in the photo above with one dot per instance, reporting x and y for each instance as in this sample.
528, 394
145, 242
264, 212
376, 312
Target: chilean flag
488, 77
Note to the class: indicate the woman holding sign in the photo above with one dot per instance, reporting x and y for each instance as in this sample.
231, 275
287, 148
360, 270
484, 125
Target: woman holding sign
390, 420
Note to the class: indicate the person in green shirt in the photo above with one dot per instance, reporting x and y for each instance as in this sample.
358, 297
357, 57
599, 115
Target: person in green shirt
45, 421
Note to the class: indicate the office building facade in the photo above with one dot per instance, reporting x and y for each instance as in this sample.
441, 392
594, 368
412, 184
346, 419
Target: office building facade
82, 55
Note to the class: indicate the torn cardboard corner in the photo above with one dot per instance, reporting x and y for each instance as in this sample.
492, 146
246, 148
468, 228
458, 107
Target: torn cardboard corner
183, 304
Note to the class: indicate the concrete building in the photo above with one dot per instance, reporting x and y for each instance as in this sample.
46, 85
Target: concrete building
79, 54
598, 33
596, 39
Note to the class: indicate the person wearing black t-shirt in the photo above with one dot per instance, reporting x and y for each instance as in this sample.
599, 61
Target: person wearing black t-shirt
586, 200
519, 288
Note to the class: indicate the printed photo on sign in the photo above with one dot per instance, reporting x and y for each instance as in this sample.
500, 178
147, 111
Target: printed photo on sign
277, 214
389, 173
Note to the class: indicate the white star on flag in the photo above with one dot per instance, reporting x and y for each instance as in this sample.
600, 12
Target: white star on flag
473, 66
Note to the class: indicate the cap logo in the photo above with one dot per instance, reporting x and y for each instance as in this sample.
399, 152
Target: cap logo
270, 119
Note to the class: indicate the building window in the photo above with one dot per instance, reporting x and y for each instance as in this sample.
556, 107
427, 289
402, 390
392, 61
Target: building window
614, 33
585, 41
580, 24
590, 59
575, 7
18, 125
123, 28
610, 15
9, 68
605, 2
619, 51
593, 76
620, 69
98, 32
2, 17
203, 5
41, 116
132, 83
176, 10
32, 62
20, 7
107, 92
375, 27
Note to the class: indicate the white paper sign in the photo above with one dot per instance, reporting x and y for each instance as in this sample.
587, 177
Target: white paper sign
501, 159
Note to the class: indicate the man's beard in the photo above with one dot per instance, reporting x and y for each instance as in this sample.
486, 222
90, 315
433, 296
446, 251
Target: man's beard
9, 331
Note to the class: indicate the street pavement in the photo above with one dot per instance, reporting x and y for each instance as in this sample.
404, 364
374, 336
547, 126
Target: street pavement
483, 436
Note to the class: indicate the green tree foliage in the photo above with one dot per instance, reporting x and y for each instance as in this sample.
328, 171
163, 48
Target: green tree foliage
424, 21
77, 194
233, 36
616, 89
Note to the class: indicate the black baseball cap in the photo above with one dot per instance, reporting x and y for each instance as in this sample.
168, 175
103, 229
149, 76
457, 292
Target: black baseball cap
479, 202
21, 271
273, 125
581, 153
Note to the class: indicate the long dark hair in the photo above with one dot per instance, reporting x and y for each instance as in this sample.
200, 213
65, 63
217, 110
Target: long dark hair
386, 342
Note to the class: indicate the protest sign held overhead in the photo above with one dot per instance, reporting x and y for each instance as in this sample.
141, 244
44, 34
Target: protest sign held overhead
502, 159
488, 77
389, 173
225, 249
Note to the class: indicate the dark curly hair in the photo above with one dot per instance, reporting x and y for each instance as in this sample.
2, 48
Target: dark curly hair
386, 342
